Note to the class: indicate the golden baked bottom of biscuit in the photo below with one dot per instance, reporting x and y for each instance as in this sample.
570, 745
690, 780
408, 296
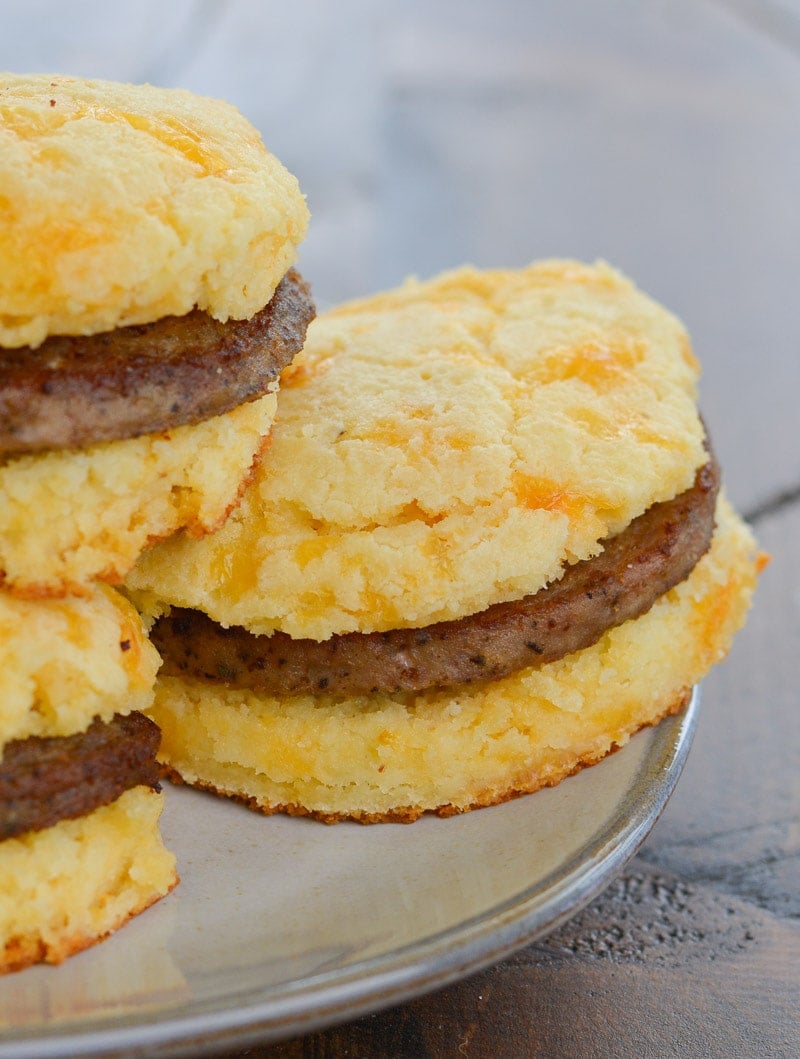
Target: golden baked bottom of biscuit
64, 662
392, 757
126, 203
69, 517
446, 446
70, 886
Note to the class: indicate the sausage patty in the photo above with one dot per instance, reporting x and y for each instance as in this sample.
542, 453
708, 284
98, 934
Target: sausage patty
655, 552
75, 391
44, 780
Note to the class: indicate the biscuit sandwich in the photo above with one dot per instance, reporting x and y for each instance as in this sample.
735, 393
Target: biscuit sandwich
147, 306
488, 545
80, 848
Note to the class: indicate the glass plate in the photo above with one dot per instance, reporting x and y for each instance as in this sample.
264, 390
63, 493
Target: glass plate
281, 926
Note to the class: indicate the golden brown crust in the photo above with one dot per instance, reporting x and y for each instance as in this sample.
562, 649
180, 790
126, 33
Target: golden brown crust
19, 953
71, 885
197, 528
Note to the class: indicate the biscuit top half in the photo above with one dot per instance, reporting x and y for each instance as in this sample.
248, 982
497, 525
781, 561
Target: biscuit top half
120, 204
445, 446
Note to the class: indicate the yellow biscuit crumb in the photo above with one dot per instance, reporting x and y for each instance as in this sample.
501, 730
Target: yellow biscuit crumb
125, 203
69, 886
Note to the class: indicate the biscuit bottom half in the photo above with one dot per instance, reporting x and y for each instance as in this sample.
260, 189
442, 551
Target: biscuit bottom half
393, 757
69, 886
70, 517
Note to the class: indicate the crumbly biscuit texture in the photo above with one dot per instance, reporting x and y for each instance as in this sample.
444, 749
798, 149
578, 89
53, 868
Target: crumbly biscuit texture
70, 886
446, 446
385, 757
64, 662
126, 203
70, 517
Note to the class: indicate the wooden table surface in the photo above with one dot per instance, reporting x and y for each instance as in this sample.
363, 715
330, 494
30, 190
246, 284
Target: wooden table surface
665, 138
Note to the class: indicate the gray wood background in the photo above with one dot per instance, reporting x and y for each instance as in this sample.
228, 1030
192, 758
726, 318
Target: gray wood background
665, 138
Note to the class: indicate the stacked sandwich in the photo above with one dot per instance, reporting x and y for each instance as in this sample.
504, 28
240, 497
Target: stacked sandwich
147, 307
487, 546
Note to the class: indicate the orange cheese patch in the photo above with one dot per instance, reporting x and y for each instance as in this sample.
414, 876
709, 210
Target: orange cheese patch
543, 494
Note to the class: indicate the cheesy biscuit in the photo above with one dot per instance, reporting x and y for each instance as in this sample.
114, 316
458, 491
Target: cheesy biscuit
147, 307
487, 545
80, 849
